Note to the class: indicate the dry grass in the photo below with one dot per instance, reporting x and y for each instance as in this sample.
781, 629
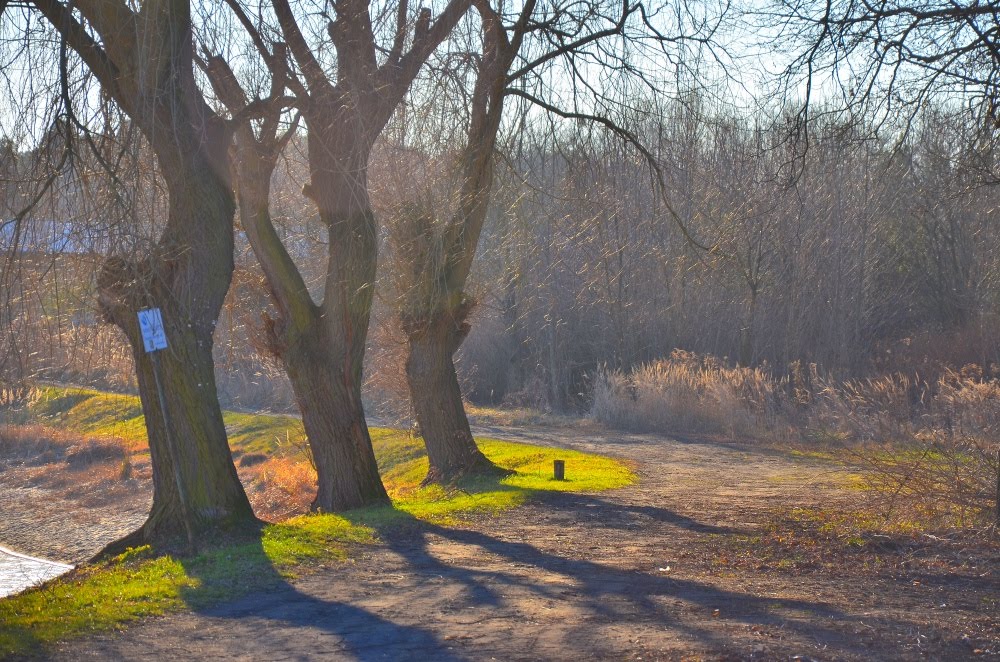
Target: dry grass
79, 466
279, 487
90, 471
931, 448
515, 417
688, 393
39, 444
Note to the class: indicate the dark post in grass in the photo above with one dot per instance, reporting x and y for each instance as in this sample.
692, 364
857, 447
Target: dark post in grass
559, 469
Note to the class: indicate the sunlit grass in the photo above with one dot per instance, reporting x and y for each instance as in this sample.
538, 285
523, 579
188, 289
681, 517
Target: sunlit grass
532, 464
141, 583
100, 414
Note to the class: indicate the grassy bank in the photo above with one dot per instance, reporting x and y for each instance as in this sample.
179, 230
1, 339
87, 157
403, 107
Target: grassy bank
142, 583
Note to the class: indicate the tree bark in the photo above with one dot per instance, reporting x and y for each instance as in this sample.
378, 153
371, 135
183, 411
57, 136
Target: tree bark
437, 401
215, 497
323, 365
435, 309
334, 420
142, 56
338, 160
323, 346
186, 276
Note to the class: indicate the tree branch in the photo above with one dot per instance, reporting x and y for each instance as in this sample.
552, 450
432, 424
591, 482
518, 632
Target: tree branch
315, 76
629, 138
89, 50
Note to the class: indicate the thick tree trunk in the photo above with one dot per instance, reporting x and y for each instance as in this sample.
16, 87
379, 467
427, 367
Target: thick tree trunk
142, 55
330, 404
338, 161
437, 401
334, 420
186, 276
322, 347
212, 489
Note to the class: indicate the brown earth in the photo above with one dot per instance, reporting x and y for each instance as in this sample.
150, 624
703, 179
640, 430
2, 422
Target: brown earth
68, 512
719, 552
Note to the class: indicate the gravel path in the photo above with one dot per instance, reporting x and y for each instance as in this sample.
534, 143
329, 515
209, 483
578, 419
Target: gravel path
63, 527
627, 574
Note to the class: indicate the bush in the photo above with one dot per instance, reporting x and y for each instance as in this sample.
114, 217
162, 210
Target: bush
688, 393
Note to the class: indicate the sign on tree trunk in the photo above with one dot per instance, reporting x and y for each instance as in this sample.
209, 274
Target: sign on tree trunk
154, 338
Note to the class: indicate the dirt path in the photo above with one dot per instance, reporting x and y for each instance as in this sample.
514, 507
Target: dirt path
638, 573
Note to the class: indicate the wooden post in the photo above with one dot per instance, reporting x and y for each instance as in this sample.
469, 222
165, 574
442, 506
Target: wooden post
559, 469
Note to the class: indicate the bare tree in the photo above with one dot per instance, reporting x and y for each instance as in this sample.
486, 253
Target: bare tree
345, 109
436, 256
142, 58
886, 60
527, 54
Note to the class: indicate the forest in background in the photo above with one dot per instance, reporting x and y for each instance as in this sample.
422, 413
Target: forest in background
863, 258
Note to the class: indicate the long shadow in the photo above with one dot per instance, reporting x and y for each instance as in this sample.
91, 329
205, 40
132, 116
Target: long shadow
611, 514
268, 597
613, 595
618, 596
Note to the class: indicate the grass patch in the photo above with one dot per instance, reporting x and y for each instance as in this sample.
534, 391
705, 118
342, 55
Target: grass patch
515, 416
805, 540
533, 464
815, 456
112, 415
85, 411
141, 583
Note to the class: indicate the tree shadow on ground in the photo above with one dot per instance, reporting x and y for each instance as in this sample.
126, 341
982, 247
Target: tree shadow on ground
609, 514
267, 596
610, 595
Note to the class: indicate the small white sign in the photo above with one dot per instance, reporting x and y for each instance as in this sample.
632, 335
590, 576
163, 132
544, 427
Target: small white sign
154, 338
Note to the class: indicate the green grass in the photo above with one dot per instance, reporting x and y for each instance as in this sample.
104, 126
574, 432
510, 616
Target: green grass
100, 414
142, 583
87, 412
139, 583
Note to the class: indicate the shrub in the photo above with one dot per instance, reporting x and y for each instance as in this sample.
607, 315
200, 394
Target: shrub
688, 393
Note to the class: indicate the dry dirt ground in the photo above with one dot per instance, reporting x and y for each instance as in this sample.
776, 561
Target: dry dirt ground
66, 513
718, 552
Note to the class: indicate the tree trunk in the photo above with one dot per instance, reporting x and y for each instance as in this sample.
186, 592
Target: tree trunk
326, 383
322, 347
334, 420
142, 55
186, 276
437, 401
212, 488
